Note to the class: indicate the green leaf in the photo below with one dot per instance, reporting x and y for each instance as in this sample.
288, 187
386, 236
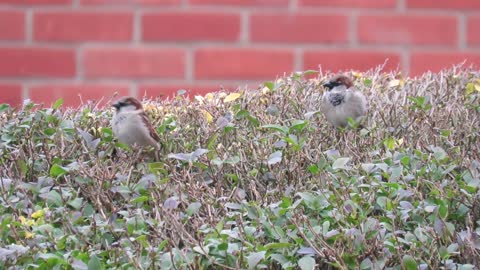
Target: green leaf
409, 263
57, 171
155, 167
57, 103
298, 125
162, 245
470, 88
405, 160
211, 141
275, 158
279, 128
443, 211
310, 72
94, 263
439, 153
76, 203
50, 131
306, 263
279, 258
366, 264
313, 169
52, 197
193, 208
188, 156
254, 121
278, 245
254, 258
340, 163
232, 160
367, 82
140, 199
389, 143
4, 107
269, 85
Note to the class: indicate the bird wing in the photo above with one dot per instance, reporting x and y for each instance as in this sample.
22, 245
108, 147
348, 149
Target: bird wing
147, 123
358, 100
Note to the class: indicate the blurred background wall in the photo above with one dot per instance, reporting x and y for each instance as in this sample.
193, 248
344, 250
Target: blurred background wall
60, 48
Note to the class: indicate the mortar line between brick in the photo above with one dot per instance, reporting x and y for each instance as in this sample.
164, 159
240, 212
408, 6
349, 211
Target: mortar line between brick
184, 4
293, 5
462, 31
189, 66
401, 6
244, 38
353, 29
128, 81
80, 72
29, 26
134, 90
25, 94
298, 59
137, 27
405, 61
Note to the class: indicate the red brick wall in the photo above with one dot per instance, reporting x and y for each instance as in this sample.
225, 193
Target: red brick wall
60, 48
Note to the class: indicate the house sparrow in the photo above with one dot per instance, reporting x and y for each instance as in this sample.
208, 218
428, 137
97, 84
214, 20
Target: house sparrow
342, 101
131, 125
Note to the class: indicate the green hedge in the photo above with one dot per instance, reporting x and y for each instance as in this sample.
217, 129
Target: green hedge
253, 179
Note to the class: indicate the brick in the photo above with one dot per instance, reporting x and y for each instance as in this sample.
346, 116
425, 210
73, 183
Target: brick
421, 62
155, 90
350, 60
191, 26
408, 30
37, 62
130, 2
231, 63
349, 3
446, 4
134, 62
11, 94
35, 2
260, 3
473, 27
71, 93
83, 26
286, 27
12, 25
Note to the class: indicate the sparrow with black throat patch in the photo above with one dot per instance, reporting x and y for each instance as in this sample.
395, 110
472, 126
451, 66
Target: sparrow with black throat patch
131, 125
342, 101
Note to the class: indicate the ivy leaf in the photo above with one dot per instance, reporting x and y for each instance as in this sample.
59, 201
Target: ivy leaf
57, 103
340, 163
409, 263
79, 265
52, 197
94, 263
232, 97
4, 107
269, 85
254, 258
275, 158
193, 208
306, 263
57, 171
282, 129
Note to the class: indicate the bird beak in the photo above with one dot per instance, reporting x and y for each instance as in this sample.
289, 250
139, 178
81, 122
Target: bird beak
328, 85
116, 105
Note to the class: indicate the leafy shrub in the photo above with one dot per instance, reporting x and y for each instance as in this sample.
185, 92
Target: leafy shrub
253, 179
